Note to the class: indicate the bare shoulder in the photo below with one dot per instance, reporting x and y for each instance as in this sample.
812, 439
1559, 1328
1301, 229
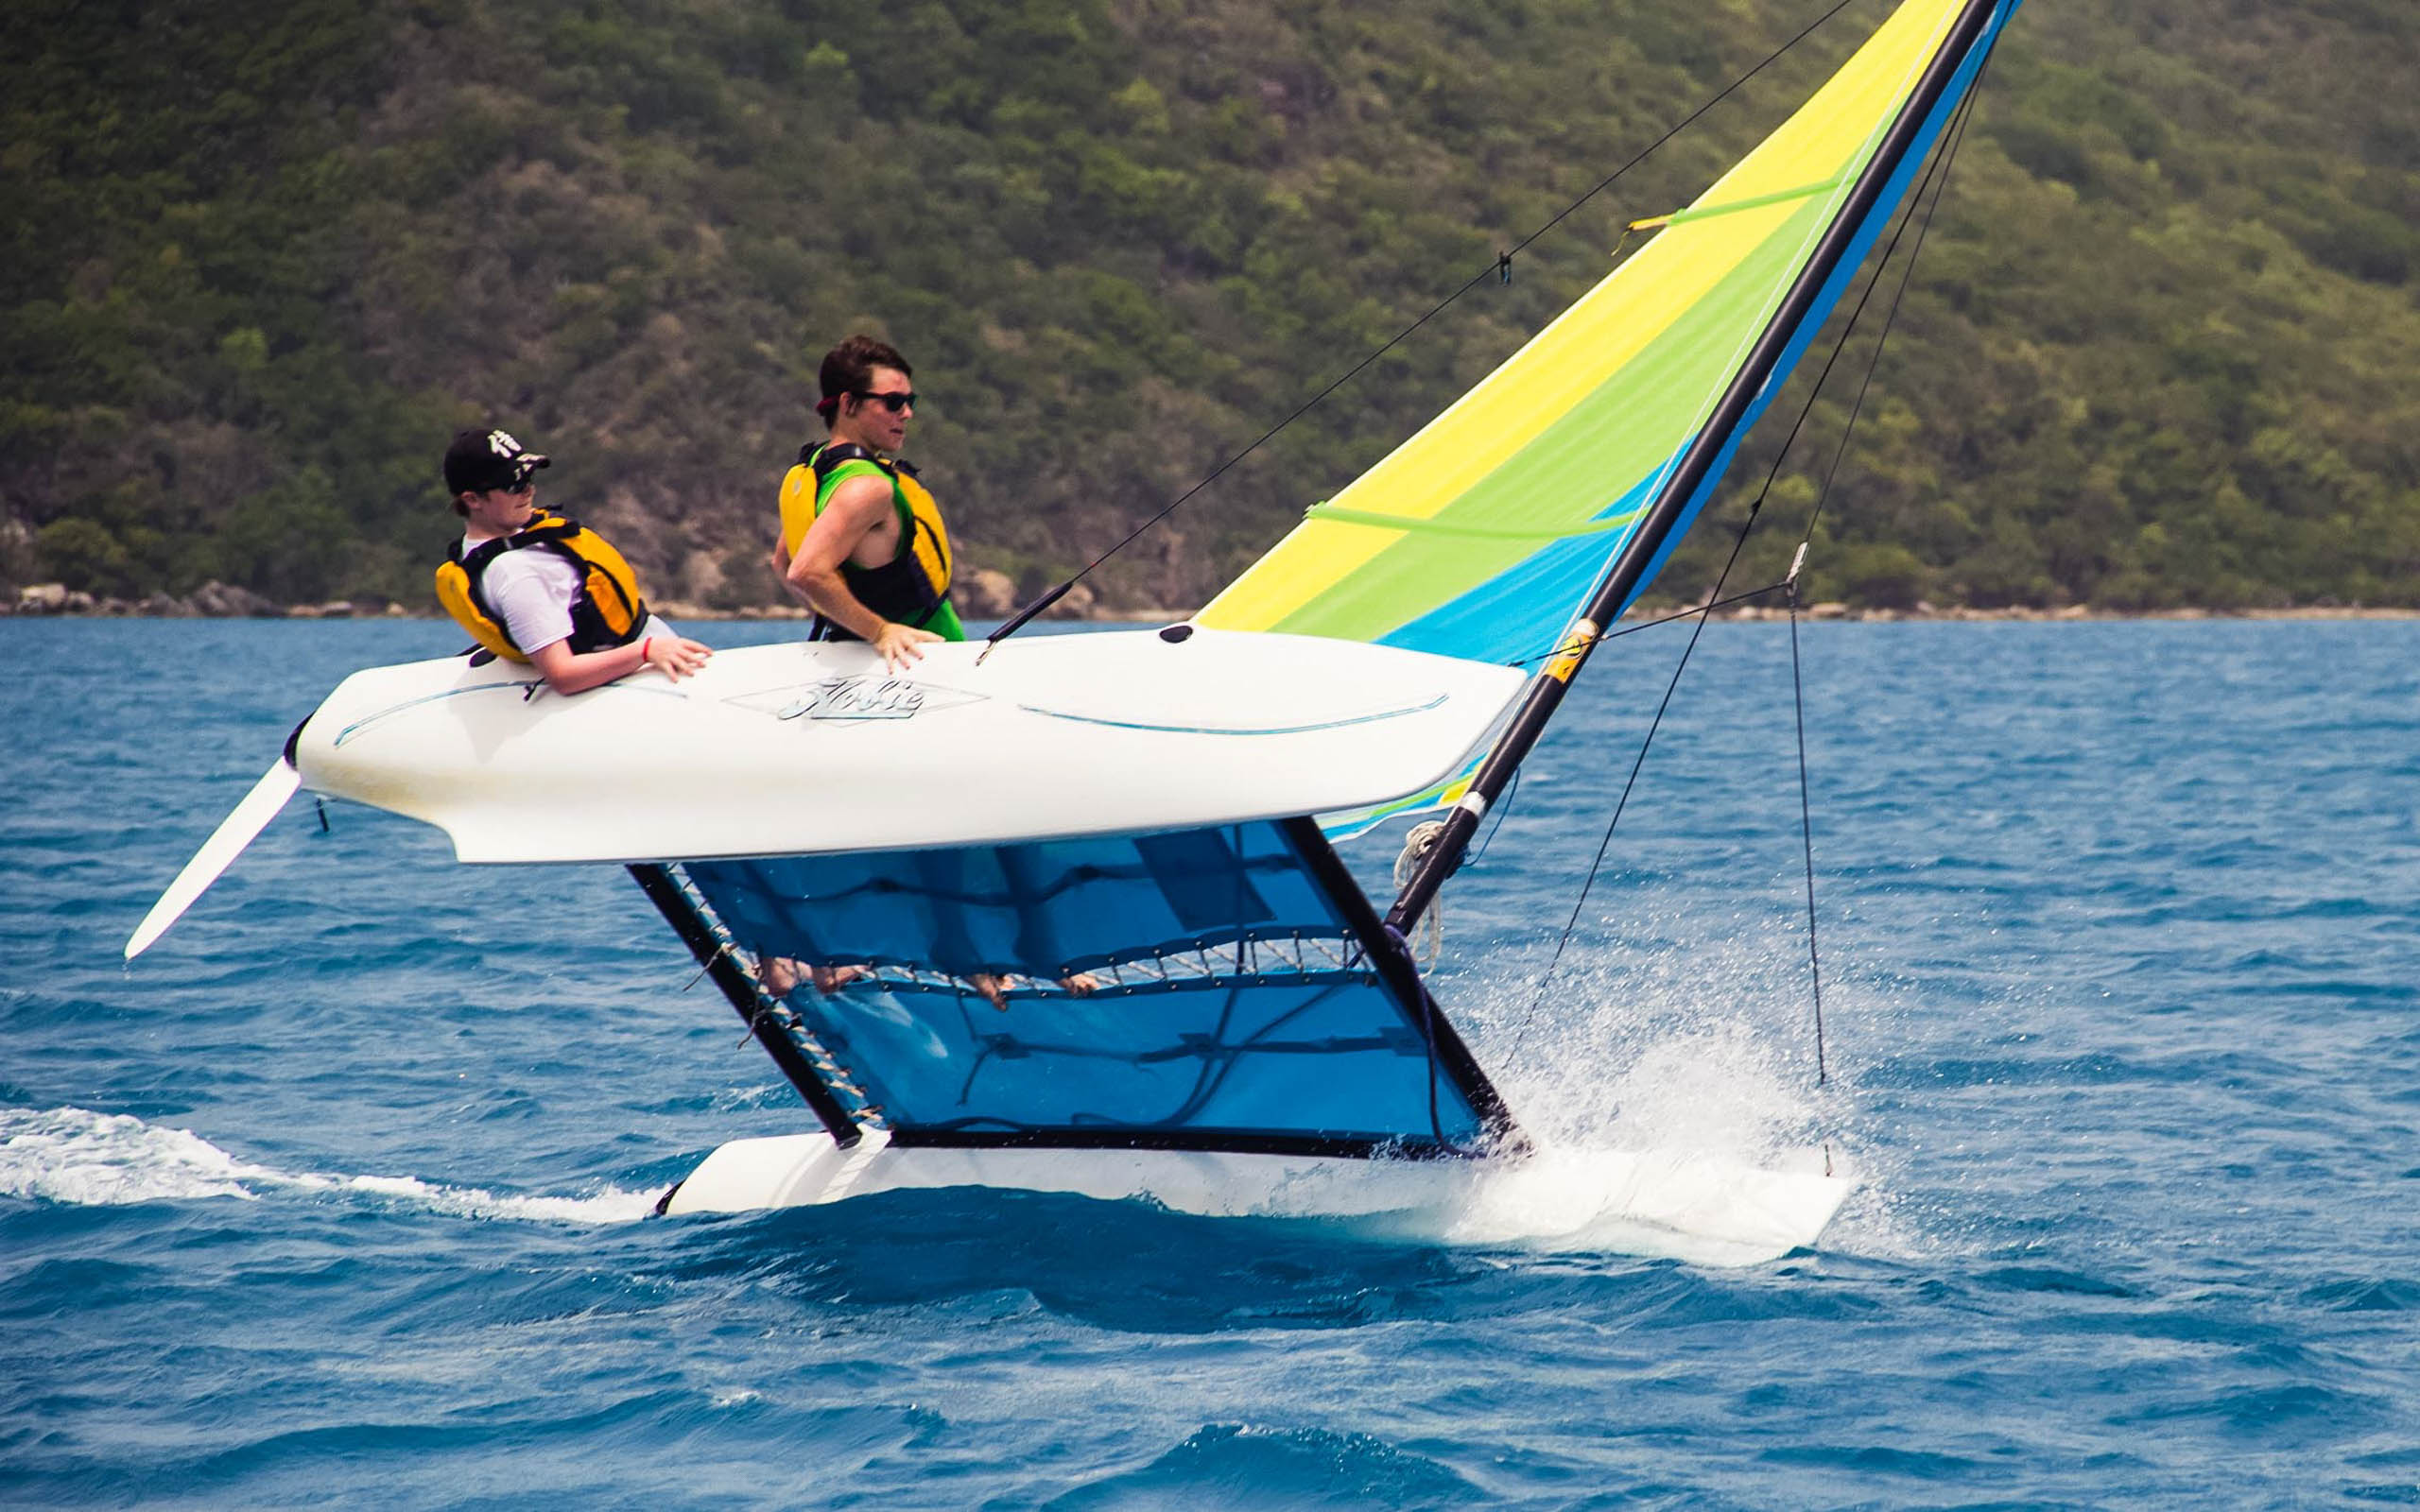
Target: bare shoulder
862, 500
856, 524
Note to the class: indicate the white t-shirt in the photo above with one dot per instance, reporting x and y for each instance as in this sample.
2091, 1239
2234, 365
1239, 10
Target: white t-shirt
532, 591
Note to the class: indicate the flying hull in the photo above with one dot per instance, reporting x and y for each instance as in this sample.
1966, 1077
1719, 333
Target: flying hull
816, 747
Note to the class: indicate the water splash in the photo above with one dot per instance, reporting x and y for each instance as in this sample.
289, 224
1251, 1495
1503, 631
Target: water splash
1642, 1048
1670, 1103
80, 1158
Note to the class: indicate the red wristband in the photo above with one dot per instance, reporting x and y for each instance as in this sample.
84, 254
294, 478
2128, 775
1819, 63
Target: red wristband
643, 645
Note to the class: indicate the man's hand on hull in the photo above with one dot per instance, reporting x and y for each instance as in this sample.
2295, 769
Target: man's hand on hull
902, 645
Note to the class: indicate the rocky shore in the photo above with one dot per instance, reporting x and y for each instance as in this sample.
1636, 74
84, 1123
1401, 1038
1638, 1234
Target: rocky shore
991, 596
1835, 610
211, 601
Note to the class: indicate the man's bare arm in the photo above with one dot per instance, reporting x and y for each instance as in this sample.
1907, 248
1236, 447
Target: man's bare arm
858, 509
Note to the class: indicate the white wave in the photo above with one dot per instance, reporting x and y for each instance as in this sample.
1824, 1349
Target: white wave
611, 1205
72, 1155
1688, 1205
81, 1158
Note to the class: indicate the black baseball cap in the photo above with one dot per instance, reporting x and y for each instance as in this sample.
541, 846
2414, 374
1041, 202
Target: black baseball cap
480, 460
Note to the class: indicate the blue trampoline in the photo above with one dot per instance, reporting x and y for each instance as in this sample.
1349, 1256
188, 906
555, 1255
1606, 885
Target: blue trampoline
1192, 990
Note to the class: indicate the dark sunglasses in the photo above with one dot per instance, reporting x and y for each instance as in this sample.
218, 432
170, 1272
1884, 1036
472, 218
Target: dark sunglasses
893, 403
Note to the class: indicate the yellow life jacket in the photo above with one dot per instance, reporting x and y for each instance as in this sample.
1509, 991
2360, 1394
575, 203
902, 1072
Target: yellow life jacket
607, 611
912, 588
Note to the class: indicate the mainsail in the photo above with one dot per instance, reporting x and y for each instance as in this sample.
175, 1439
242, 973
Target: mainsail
1592, 450
1480, 535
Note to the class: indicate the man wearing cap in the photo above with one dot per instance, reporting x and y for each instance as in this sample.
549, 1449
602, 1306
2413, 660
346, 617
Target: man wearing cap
537, 587
861, 540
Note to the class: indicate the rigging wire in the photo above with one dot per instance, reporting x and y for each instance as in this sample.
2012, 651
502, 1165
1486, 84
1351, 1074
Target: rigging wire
1562, 647
1570, 924
1956, 138
1500, 269
1935, 181
1807, 838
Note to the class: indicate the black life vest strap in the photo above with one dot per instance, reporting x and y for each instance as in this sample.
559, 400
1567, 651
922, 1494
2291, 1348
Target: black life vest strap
888, 579
589, 630
475, 562
823, 458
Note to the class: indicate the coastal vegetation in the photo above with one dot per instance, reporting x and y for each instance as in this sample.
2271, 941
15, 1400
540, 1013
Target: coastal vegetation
2159, 351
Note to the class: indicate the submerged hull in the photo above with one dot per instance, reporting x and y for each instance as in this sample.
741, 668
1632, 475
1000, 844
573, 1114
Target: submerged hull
1700, 1207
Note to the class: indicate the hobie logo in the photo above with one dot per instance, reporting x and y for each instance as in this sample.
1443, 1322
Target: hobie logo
858, 698
855, 699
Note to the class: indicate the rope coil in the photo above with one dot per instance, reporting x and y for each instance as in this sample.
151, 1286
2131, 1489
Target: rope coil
1428, 936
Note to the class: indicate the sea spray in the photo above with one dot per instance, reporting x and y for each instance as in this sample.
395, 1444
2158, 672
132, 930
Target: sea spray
1630, 1048
1670, 1099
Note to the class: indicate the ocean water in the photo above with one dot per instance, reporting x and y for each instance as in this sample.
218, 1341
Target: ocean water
342, 1194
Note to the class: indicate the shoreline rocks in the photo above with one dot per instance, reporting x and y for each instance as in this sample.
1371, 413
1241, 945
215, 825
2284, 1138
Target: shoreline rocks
213, 600
989, 595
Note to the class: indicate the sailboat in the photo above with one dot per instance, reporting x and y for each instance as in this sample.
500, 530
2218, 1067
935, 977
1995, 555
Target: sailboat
1065, 912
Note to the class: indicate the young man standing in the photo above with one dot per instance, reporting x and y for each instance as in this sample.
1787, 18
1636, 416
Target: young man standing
537, 587
861, 541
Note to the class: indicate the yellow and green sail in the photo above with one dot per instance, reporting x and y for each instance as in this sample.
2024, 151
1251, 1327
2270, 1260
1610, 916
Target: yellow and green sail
1480, 535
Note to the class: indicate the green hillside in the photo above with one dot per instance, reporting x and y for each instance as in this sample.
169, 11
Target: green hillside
2161, 348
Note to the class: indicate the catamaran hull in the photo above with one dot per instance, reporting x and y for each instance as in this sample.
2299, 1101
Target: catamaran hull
1700, 1207
813, 749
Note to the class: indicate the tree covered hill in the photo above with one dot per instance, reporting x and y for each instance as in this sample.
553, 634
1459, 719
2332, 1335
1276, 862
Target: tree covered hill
2160, 349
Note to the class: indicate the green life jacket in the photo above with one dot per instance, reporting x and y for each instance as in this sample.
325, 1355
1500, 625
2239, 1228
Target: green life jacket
912, 588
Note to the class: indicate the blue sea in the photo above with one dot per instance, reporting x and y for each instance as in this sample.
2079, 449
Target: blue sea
342, 1192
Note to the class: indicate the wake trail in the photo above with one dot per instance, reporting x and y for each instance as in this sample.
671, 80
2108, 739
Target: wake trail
80, 1158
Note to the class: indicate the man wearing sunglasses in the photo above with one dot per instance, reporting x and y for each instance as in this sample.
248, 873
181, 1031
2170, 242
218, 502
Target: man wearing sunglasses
861, 540
537, 587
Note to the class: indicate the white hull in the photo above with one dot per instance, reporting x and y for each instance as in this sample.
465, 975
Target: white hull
812, 748
1694, 1206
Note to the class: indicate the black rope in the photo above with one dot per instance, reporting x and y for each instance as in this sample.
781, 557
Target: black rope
1797, 678
1602, 845
1500, 808
1501, 270
1807, 838
1956, 138
1935, 180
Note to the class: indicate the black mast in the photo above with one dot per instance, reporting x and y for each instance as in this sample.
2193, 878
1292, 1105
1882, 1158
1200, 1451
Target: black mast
1547, 690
